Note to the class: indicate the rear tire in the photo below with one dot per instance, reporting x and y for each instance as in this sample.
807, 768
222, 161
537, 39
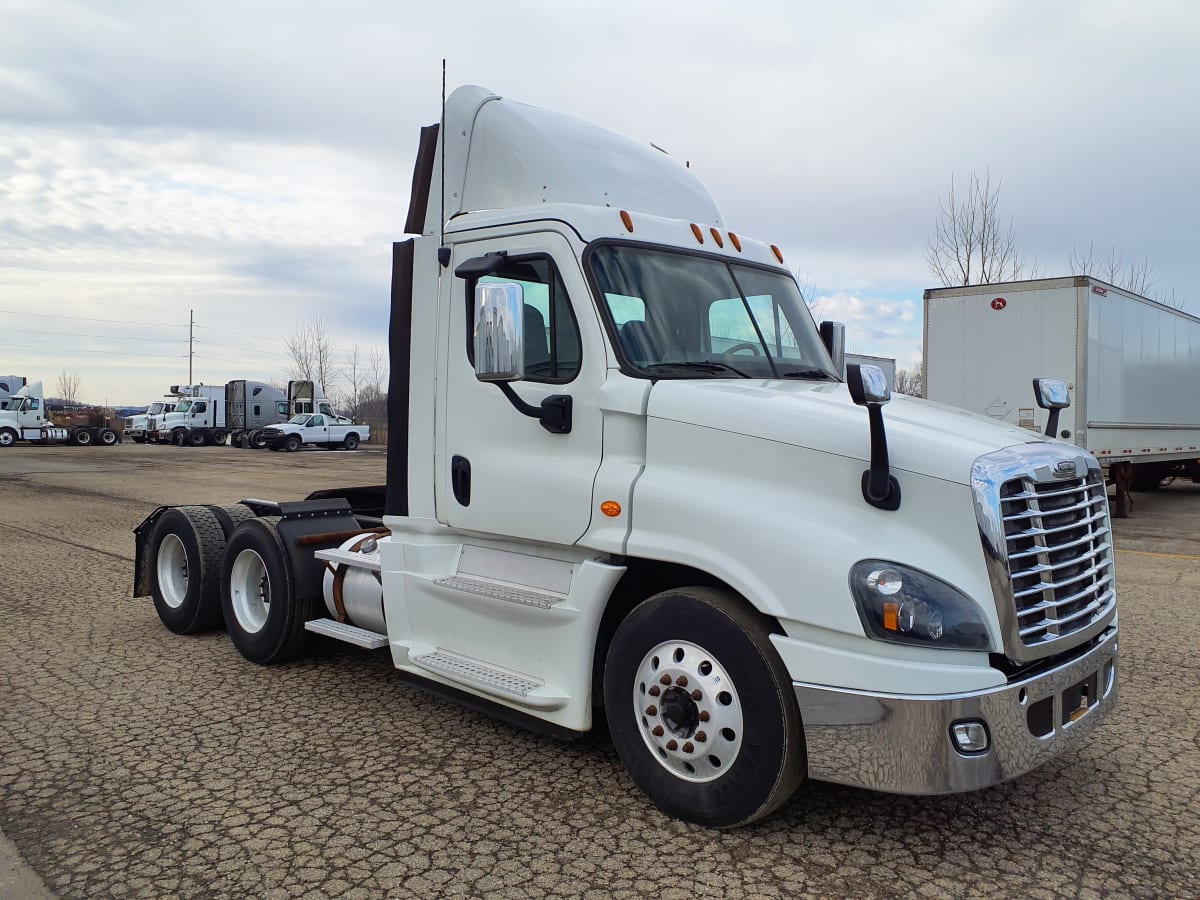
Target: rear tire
264, 617
198, 438
108, 437
256, 440
350, 442
235, 440
232, 516
8, 437
218, 436
139, 439
720, 742
186, 548
81, 437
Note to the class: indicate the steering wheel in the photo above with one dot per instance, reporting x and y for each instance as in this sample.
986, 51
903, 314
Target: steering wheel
755, 349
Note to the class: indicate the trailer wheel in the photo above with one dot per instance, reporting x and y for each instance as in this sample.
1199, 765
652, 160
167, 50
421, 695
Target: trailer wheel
701, 710
257, 440
108, 437
81, 437
185, 567
292, 443
264, 617
8, 437
179, 438
218, 436
232, 516
351, 442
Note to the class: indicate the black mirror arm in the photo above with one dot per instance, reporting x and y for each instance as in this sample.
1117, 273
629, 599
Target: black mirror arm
554, 413
879, 486
1052, 422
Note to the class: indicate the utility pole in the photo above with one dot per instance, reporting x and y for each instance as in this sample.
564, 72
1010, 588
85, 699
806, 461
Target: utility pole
191, 333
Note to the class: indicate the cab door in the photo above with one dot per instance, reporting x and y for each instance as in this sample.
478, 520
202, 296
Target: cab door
499, 471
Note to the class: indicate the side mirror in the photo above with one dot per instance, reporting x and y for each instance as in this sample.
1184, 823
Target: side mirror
499, 332
867, 384
1051, 394
833, 336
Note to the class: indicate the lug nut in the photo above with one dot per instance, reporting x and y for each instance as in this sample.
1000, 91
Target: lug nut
704, 715
658, 731
688, 748
672, 744
666, 679
701, 737
654, 690
681, 681
696, 695
652, 710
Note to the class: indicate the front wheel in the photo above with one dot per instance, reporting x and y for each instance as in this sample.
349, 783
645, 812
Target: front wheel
8, 437
108, 437
179, 438
292, 443
701, 708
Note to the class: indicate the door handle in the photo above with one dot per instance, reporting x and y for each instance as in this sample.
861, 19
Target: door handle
460, 479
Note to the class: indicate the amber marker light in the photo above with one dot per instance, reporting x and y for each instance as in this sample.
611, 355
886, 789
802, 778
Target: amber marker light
698, 233
778, 253
610, 508
627, 219
717, 237
891, 616
736, 241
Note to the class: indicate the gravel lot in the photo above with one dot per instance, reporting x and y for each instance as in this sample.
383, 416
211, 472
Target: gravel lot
135, 763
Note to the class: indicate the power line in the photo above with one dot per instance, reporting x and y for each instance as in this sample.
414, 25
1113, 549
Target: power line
17, 312
84, 350
241, 333
236, 347
110, 337
241, 362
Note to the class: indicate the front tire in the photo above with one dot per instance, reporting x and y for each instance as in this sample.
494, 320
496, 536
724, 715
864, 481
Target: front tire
185, 566
701, 709
179, 438
264, 617
108, 437
8, 437
292, 443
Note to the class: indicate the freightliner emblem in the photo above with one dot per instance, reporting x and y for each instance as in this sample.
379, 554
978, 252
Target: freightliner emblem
1064, 468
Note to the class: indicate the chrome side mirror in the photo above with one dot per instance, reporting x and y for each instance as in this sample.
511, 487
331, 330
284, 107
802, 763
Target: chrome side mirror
1051, 395
867, 384
499, 332
833, 336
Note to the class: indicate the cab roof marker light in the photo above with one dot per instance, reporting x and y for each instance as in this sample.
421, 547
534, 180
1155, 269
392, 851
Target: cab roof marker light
628, 220
696, 230
736, 241
778, 253
717, 237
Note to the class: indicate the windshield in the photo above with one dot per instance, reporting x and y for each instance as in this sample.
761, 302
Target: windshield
184, 406
155, 409
683, 316
299, 420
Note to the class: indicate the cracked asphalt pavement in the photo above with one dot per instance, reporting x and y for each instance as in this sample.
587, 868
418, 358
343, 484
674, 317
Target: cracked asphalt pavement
136, 763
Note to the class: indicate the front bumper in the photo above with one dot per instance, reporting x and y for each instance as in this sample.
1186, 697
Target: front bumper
903, 745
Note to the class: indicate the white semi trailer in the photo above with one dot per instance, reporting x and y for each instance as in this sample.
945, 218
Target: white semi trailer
1130, 362
626, 482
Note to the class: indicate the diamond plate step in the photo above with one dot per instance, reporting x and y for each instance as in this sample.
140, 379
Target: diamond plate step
351, 634
475, 672
497, 591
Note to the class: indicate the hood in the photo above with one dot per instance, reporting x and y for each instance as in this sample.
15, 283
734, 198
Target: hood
923, 437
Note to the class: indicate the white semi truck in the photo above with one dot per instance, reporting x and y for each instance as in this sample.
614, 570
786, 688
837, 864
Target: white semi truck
627, 483
23, 418
1129, 360
137, 427
198, 418
10, 384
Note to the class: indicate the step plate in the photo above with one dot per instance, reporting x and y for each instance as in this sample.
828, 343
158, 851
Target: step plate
351, 634
510, 593
471, 671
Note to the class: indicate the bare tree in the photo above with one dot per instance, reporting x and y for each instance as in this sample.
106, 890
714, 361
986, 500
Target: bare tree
813, 296
311, 351
67, 386
908, 381
972, 244
1134, 276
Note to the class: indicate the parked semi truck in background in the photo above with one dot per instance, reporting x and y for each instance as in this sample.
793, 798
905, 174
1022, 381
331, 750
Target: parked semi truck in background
627, 482
138, 426
197, 420
10, 384
253, 406
1129, 360
23, 417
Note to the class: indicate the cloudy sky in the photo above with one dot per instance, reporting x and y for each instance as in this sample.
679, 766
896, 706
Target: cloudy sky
251, 161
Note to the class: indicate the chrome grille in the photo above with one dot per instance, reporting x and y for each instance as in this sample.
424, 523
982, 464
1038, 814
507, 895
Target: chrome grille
1059, 551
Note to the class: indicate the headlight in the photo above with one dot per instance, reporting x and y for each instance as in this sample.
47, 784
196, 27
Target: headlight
906, 606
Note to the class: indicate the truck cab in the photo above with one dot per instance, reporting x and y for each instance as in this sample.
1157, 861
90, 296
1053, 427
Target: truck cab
24, 417
321, 429
198, 418
138, 426
627, 482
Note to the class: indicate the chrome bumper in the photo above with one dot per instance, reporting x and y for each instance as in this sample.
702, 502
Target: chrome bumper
903, 745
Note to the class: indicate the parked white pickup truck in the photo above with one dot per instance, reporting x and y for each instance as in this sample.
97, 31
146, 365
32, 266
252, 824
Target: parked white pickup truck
319, 429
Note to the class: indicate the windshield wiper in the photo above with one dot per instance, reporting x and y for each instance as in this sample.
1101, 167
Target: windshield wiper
713, 367
811, 372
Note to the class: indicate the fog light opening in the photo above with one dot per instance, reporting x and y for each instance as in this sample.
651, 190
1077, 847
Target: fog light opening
970, 737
